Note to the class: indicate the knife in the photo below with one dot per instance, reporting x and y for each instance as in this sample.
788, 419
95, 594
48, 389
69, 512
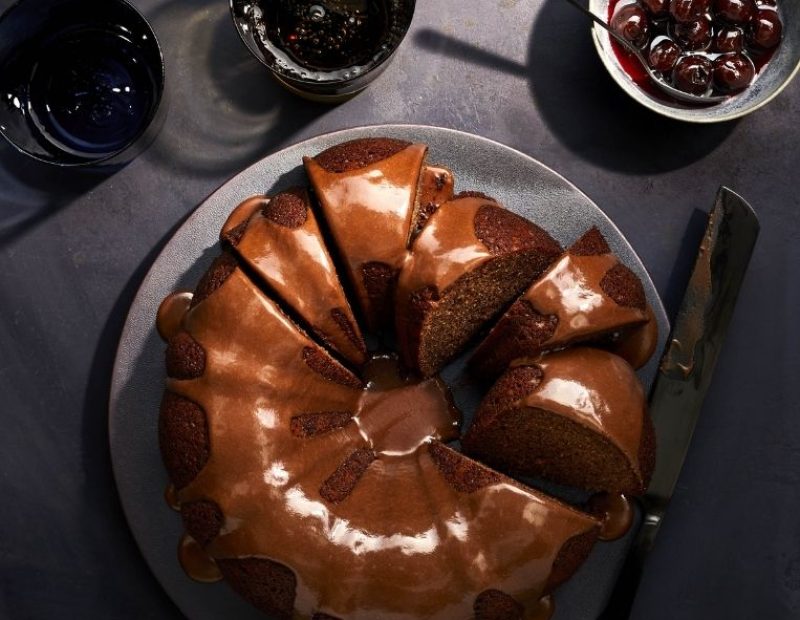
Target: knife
685, 372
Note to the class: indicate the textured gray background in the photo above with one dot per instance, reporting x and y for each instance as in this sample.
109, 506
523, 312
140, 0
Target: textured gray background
75, 247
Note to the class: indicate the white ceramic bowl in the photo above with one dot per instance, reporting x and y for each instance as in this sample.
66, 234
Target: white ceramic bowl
777, 74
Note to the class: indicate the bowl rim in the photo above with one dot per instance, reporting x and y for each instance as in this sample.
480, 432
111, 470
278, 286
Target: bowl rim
676, 113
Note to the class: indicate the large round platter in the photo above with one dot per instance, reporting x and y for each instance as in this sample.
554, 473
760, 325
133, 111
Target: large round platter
521, 183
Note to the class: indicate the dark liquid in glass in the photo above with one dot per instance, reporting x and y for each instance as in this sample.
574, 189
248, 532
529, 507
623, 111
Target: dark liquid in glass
328, 39
328, 35
85, 90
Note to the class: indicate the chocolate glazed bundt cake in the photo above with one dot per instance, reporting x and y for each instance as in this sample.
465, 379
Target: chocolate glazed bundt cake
320, 492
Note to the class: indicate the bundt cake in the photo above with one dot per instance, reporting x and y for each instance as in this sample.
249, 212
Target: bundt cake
279, 239
315, 477
576, 417
367, 191
585, 295
470, 260
287, 472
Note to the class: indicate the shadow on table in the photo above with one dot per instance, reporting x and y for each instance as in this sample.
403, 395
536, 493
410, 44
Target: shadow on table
225, 110
222, 111
581, 104
684, 262
103, 508
31, 191
591, 115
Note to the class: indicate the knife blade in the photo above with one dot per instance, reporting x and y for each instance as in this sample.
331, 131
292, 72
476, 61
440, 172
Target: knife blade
686, 369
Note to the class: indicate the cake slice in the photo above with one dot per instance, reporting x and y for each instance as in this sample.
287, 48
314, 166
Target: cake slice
471, 259
576, 417
483, 514
279, 239
367, 190
586, 295
238, 364
436, 187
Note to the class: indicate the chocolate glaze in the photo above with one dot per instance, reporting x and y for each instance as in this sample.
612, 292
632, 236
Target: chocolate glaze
571, 290
403, 542
370, 212
637, 344
295, 264
446, 248
171, 497
545, 609
396, 416
171, 312
570, 296
593, 388
241, 215
615, 511
195, 562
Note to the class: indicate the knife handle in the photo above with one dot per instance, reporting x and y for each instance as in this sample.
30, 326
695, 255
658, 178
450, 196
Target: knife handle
620, 603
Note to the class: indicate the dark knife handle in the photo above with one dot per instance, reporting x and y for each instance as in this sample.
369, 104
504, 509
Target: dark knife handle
620, 603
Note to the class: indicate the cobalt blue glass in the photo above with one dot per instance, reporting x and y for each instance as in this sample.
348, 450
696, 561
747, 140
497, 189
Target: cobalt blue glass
80, 80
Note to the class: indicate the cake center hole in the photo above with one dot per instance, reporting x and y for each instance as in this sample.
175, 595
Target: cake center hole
397, 414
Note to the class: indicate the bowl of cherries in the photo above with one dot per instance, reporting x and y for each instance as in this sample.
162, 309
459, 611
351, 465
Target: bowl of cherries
737, 54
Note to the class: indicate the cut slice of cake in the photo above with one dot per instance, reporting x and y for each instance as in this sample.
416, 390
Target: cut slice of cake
585, 295
576, 417
436, 187
470, 260
280, 240
239, 365
367, 190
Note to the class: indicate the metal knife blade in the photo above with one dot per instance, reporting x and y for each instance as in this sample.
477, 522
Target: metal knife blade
686, 368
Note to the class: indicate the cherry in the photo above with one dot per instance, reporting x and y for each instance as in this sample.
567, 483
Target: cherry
688, 10
692, 74
631, 23
694, 35
728, 40
656, 8
735, 11
702, 46
765, 30
733, 72
663, 55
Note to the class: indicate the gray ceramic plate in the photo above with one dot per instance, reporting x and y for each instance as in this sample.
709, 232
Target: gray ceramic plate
518, 181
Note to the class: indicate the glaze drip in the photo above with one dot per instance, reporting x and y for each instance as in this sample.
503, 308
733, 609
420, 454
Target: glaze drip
171, 312
615, 512
196, 563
